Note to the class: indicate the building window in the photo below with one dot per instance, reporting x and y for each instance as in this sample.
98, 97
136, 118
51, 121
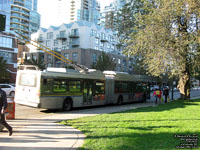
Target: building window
49, 65
56, 49
49, 35
119, 61
49, 57
75, 56
96, 41
74, 31
6, 42
102, 36
94, 59
124, 63
96, 48
64, 42
48, 43
62, 33
112, 47
66, 55
7, 56
55, 42
93, 32
64, 47
108, 46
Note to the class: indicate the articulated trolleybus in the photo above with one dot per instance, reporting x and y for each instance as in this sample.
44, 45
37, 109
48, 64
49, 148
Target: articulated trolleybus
60, 88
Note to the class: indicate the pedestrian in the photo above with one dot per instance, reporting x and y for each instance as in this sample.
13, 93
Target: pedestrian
166, 93
3, 106
157, 95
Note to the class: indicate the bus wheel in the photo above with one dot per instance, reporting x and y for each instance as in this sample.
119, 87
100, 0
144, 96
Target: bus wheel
120, 100
67, 105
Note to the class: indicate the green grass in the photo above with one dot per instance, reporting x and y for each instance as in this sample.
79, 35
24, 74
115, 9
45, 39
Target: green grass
149, 128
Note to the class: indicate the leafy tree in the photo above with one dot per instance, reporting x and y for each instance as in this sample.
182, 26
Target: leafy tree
4, 74
104, 62
168, 39
36, 62
125, 19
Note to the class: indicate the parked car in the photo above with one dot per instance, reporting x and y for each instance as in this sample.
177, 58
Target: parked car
9, 89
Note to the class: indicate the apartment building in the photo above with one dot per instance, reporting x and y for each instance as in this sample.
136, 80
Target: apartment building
81, 42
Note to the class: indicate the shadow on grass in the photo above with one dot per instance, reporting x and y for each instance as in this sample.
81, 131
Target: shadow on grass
137, 141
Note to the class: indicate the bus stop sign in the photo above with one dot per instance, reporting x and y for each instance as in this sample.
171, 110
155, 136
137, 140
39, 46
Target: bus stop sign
2, 22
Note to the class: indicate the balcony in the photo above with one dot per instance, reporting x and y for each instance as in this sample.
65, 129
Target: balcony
61, 36
15, 9
15, 21
40, 39
15, 15
104, 39
20, 2
74, 35
74, 42
25, 13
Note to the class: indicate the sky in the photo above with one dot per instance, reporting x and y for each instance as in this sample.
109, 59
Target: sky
48, 9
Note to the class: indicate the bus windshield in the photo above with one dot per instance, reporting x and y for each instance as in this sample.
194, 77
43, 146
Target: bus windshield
27, 80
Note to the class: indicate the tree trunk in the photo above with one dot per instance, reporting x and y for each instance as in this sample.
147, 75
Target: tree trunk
184, 85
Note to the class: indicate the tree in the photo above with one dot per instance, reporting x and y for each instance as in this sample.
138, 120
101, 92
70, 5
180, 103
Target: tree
4, 74
36, 62
125, 19
168, 38
104, 62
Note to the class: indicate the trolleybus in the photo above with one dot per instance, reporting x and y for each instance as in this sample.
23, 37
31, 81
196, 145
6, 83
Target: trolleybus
67, 88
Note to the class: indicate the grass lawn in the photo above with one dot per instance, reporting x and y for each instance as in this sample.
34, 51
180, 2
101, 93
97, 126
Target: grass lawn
150, 128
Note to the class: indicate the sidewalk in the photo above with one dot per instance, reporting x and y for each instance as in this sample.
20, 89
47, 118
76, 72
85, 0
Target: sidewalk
40, 134
45, 134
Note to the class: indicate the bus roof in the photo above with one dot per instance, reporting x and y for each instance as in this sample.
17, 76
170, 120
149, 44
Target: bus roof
71, 73
123, 76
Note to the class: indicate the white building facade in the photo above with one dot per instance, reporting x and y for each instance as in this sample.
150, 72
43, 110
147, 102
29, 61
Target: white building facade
82, 42
80, 34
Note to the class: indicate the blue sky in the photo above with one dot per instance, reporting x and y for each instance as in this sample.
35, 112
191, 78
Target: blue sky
50, 15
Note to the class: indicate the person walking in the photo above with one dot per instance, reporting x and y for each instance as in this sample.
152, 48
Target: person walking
157, 94
166, 93
3, 106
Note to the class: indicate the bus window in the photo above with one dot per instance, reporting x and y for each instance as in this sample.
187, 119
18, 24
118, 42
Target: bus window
117, 87
27, 80
124, 87
121, 87
74, 86
99, 88
47, 85
141, 88
59, 86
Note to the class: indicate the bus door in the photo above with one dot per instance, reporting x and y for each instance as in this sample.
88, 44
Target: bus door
87, 91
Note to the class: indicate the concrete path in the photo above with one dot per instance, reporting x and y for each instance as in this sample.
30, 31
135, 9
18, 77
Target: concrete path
40, 134
46, 134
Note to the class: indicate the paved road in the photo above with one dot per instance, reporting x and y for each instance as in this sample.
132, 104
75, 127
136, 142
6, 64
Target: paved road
29, 112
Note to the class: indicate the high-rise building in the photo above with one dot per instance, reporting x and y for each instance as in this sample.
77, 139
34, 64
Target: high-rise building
24, 17
109, 12
84, 10
8, 43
